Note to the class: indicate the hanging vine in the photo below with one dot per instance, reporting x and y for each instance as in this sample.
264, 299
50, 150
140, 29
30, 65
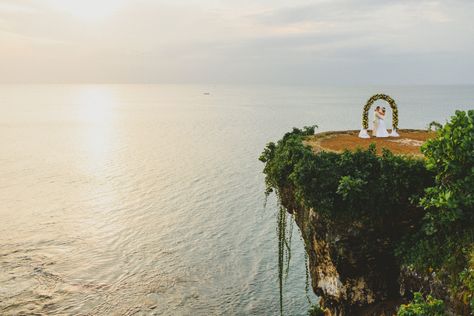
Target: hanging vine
284, 233
281, 229
306, 285
284, 219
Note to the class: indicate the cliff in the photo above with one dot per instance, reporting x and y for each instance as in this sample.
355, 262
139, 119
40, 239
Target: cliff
352, 264
374, 225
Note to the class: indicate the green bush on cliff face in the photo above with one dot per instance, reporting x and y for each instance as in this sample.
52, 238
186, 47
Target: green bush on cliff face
280, 158
445, 242
315, 310
451, 156
422, 307
467, 281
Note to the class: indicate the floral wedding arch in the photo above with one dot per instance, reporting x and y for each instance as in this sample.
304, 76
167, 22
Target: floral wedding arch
365, 115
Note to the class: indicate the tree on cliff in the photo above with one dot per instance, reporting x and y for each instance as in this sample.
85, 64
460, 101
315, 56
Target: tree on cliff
445, 244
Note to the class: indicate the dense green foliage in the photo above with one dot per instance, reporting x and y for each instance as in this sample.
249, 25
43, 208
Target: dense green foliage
422, 307
357, 184
445, 243
437, 192
315, 310
466, 278
451, 157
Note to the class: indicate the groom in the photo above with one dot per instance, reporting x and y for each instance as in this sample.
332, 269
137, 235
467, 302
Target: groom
375, 120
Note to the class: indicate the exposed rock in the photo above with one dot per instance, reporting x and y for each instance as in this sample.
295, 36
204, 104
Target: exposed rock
353, 268
352, 265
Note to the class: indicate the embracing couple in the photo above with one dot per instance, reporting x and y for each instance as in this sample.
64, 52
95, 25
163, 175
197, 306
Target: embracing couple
379, 129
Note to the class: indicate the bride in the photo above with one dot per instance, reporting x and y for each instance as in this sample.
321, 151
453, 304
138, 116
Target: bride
381, 130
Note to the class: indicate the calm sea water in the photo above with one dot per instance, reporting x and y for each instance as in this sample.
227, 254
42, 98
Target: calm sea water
148, 199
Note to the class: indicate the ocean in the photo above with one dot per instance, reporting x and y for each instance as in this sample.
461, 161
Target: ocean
149, 199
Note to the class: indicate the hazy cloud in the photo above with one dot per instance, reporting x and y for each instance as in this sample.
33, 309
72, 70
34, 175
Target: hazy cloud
368, 41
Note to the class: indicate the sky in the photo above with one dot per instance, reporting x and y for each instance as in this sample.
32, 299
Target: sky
237, 41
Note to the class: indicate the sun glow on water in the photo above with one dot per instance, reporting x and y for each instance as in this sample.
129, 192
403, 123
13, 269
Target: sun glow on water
97, 115
96, 104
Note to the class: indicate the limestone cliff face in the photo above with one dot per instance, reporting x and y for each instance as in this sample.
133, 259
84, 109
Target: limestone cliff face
352, 265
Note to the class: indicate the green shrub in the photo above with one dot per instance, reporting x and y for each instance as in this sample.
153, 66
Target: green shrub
422, 307
315, 310
434, 126
280, 159
466, 291
446, 237
451, 156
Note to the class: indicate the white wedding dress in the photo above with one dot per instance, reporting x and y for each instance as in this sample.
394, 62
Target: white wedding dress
381, 130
